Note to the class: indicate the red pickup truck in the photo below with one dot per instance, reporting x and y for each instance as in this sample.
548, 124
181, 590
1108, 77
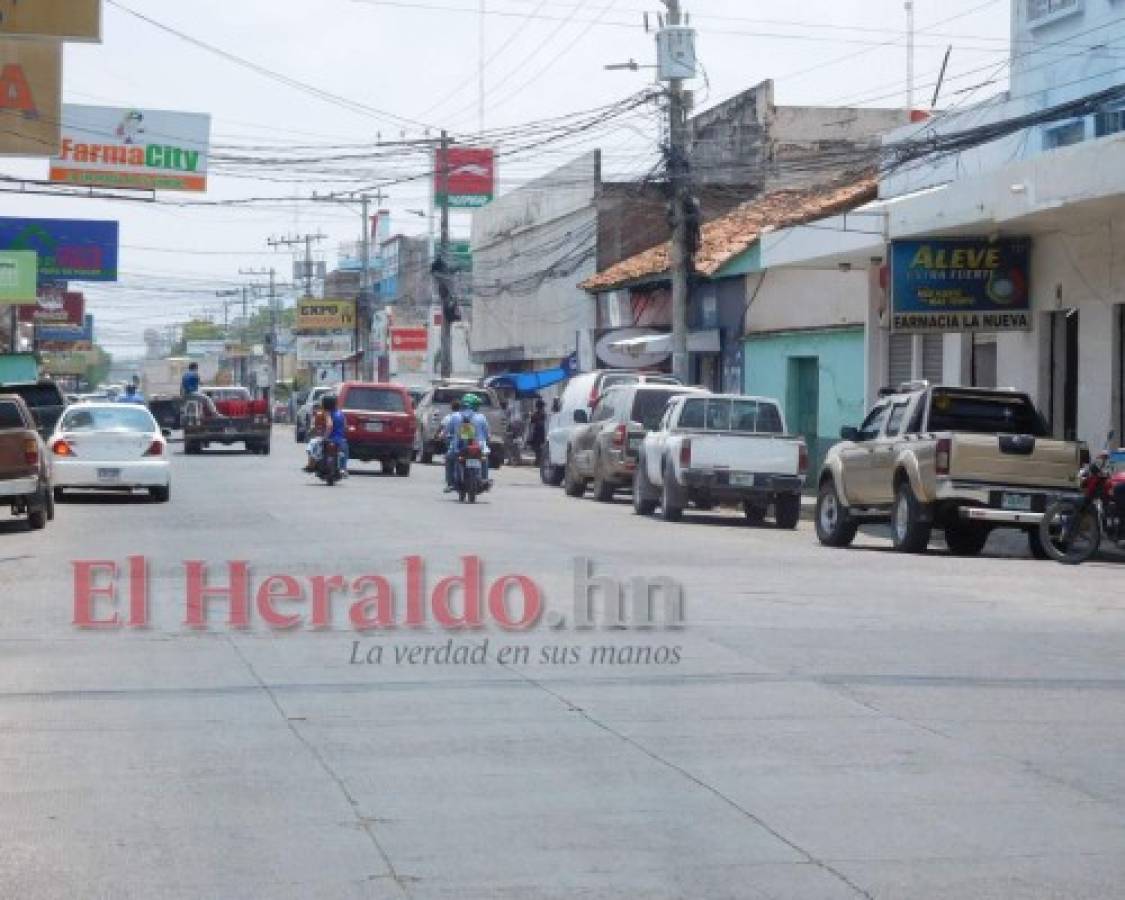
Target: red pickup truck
226, 415
25, 473
381, 424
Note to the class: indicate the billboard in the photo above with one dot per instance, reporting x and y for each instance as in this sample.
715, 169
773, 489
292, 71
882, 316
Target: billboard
69, 249
55, 305
327, 348
464, 176
960, 285
30, 97
18, 270
66, 334
67, 362
63, 20
325, 315
410, 339
128, 147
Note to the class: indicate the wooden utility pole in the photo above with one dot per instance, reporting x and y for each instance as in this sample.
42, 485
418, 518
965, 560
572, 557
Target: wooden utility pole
441, 267
680, 182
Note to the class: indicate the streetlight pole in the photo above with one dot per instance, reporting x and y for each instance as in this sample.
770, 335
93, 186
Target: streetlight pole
680, 178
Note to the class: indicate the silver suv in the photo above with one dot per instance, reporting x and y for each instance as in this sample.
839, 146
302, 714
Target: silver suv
302, 424
436, 404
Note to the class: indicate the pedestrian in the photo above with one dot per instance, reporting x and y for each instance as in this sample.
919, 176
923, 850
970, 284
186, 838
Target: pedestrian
449, 427
131, 395
537, 431
189, 384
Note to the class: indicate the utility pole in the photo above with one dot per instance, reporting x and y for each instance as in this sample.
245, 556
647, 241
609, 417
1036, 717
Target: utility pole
910, 55
441, 267
271, 355
296, 241
480, 73
683, 213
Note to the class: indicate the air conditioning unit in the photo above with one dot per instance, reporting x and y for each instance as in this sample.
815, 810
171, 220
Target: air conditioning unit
675, 52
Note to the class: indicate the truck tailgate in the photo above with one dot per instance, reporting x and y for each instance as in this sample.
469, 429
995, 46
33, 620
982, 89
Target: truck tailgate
1014, 459
746, 453
13, 463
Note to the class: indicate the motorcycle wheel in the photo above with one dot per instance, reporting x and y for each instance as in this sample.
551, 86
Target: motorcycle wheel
1085, 535
472, 487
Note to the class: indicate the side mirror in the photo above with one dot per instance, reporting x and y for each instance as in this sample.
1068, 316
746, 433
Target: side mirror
849, 434
581, 417
167, 432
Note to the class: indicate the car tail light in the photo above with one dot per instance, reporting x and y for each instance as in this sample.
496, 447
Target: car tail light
62, 448
620, 435
156, 448
944, 452
802, 458
685, 453
31, 452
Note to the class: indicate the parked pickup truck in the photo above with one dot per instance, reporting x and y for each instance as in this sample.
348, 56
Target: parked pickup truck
44, 399
25, 473
722, 447
230, 417
964, 460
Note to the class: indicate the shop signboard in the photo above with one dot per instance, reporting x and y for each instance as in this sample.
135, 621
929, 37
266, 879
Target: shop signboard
961, 285
68, 249
325, 315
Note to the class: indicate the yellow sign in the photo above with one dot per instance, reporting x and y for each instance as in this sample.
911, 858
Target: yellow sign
325, 315
69, 20
30, 97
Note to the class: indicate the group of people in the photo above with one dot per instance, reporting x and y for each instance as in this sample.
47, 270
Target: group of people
464, 425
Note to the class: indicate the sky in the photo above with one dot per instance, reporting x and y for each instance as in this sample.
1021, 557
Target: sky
401, 70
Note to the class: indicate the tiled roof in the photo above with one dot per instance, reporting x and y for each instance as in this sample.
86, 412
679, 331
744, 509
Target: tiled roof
728, 236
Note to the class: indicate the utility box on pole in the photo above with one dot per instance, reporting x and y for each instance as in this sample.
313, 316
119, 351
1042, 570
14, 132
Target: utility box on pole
675, 53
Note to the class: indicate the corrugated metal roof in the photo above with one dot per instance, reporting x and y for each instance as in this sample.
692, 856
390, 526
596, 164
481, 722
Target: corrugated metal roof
728, 236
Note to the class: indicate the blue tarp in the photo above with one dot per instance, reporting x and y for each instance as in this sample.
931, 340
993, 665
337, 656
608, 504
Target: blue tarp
528, 384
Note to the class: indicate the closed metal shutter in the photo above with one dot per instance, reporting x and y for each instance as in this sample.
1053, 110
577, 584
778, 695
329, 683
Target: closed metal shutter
901, 359
933, 358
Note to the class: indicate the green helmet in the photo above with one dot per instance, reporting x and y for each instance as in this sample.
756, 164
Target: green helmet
471, 400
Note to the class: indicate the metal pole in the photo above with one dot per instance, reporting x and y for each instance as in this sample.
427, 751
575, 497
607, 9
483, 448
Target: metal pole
480, 74
681, 196
441, 263
14, 324
273, 333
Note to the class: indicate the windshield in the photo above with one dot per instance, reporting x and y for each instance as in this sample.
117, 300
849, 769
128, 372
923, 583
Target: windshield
36, 395
368, 399
985, 414
107, 418
10, 415
447, 395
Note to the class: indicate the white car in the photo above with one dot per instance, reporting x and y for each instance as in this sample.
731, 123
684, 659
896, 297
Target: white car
110, 446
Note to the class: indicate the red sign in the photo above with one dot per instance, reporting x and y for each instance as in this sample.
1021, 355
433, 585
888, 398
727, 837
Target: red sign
409, 340
55, 306
466, 176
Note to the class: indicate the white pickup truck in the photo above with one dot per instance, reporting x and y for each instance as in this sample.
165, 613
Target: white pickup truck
722, 447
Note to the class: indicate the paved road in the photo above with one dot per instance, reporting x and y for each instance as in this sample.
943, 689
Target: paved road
839, 724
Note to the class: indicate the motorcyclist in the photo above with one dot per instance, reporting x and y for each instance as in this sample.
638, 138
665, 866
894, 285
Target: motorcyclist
330, 424
471, 416
449, 426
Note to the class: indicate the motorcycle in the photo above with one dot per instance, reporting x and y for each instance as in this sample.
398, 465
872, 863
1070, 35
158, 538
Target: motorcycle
328, 465
469, 473
1072, 529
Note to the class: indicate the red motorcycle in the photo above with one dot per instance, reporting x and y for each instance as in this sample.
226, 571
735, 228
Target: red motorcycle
1073, 528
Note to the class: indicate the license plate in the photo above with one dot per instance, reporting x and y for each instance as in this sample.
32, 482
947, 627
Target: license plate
230, 430
473, 463
374, 426
741, 479
1016, 502
109, 475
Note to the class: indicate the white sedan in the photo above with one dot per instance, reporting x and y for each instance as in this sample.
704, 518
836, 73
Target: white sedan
110, 446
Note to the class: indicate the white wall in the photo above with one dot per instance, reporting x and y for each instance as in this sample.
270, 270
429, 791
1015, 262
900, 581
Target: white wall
518, 237
784, 299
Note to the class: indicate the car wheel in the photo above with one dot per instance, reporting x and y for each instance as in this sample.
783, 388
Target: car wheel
161, 494
298, 435
191, 448
402, 469
550, 475
603, 487
834, 525
427, 457
909, 532
787, 511
266, 449
573, 483
671, 499
755, 513
1035, 545
57, 493
37, 519
966, 539
644, 499
49, 503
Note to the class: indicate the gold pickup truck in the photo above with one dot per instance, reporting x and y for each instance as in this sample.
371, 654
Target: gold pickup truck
964, 460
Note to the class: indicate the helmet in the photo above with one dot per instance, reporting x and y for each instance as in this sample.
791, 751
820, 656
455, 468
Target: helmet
472, 401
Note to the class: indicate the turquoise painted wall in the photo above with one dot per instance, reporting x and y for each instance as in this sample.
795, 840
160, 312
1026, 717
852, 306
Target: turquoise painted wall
839, 353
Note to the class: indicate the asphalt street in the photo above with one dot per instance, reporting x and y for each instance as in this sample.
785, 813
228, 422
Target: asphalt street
825, 724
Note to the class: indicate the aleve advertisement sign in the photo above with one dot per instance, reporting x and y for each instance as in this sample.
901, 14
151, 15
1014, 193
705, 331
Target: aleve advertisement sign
128, 147
465, 176
325, 315
63, 20
69, 249
30, 97
18, 276
961, 285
